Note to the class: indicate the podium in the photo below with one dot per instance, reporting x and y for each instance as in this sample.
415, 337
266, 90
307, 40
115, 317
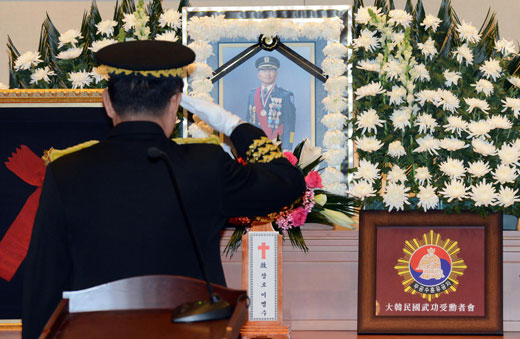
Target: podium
141, 307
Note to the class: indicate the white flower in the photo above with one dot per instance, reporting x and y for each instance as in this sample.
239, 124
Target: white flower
334, 120
202, 50
507, 197
463, 53
483, 147
401, 118
432, 22
336, 85
309, 154
170, 18
80, 79
396, 196
484, 86
335, 50
512, 103
334, 157
505, 174
3, 86
479, 128
369, 65
199, 70
98, 76
422, 175
362, 189
333, 67
428, 48
509, 154
331, 29
452, 144
426, 123
451, 78
449, 101
399, 17
515, 81
368, 144
500, 121
69, 37
97, 45
396, 174
477, 103
483, 194
106, 27
397, 37
455, 125
454, 168
335, 103
363, 16
427, 95
71, 53
367, 40
393, 69
369, 121
199, 130
130, 21
396, 149
454, 190
506, 47
397, 95
468, 32
478, 168
428, 198
428, 144
167, 36
334, 139
491, 69
202, 86
330, 176
26, 60
41, 74
419, 72
372, 89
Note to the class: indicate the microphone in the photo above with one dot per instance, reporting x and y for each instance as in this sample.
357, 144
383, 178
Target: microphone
202, 310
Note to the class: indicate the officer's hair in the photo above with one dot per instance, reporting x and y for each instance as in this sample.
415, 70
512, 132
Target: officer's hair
138, 95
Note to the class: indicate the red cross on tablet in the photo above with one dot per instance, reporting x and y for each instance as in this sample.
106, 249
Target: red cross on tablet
263, 248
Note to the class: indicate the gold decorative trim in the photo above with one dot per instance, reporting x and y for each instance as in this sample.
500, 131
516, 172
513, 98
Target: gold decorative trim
35, 96
10, 326
262, 150
174, 72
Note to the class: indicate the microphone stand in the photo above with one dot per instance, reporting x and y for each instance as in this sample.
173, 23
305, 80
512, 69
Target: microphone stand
202, 310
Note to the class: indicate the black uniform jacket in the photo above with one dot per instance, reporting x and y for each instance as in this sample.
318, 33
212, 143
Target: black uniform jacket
108, 212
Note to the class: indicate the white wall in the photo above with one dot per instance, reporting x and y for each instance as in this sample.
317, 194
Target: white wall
22, 19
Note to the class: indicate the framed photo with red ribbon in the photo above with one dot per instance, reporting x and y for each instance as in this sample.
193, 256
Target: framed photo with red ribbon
430, 273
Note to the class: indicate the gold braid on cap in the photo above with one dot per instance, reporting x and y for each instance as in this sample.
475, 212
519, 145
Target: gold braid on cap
262, 150
174, 72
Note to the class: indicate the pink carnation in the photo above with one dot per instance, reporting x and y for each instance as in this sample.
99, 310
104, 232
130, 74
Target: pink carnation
299, 215
313, 180
292, 159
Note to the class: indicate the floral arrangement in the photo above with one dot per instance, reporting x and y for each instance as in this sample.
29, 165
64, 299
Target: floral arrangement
436, 112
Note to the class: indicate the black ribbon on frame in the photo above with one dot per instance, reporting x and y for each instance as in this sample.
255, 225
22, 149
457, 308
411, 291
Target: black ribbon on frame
268, 44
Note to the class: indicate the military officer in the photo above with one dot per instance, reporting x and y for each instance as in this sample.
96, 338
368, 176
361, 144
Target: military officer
271, 107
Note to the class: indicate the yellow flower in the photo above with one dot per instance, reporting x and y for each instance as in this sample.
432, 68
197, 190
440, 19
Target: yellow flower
338, 218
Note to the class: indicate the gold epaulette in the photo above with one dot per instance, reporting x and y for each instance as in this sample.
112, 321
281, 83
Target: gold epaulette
53, 154
262, 150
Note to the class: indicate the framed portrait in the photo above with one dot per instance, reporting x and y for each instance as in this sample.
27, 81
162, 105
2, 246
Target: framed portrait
430, 273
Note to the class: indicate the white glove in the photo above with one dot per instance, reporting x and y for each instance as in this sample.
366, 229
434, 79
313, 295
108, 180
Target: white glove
212, 114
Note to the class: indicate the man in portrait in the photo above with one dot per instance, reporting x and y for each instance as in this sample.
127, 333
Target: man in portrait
271, 107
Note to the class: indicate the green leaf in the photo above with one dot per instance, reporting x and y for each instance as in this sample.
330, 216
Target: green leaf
235, 241
182, 4
409, 8
296, 238
488, 34
154, 11
446, 31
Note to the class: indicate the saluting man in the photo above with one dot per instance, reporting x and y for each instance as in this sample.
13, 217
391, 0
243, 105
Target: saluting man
271, 107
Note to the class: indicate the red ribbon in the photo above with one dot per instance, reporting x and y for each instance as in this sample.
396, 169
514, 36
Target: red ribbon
263, 119
13, 247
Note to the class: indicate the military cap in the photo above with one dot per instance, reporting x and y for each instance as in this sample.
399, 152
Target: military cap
267, 62
145, 57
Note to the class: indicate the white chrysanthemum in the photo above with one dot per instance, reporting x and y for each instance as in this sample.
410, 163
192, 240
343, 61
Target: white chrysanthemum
505, 174
396, 174
69, 37
454, 168
426, 123
335, 50
80, 79
428, 198
41, 74
368, 144
97, 45
334, 103
335, 157
456, 125
27, 60
3, 86
484, 86
372, 89
464, 54
199, 130
310, 30
396, 149
397, 37
419, 72
427, 95
432, 22
71, 53
483, 194
330, 176
130, 21
397, 95
515, 81
401, 118
367, 40
170, 18
336, 188
369, 121
483, 147
452, 144
399, 17
428, 48
333, 67
202, 50
363, 16
98, 75
167, 36
491, 69
449, 101
506, 47
509, 154
427, 144
477, 103
451, 77
455, 190
199, 70
336, 85
479, 128
331, 29
290, 30
500, 121
422, 175
334, 121
468, 32
393, 69
106, 27
478, 168
369, 65
513, 104
396, 196
362, 189
507, 197
334, 139
202, 86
